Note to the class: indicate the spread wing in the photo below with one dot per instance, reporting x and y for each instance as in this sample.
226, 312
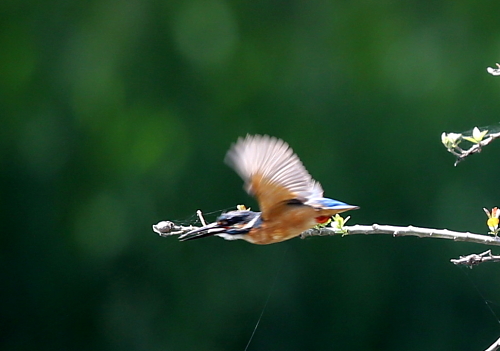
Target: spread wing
271, 171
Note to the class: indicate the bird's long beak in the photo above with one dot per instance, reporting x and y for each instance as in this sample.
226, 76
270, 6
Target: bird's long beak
347, 207
340, 209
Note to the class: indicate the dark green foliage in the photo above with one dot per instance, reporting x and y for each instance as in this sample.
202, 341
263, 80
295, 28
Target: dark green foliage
117, 114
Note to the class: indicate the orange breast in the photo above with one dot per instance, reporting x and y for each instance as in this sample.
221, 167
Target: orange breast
286, 225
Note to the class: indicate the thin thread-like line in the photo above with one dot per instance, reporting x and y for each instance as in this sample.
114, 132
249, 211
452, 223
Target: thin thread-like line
487, 303
267, 299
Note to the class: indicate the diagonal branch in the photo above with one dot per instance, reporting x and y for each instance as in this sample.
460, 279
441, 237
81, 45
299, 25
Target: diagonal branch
495, 346
452, 140
475, 148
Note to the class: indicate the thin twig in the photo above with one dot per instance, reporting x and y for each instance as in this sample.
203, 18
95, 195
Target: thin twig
461, 154
200, 216
475, 148
495, 346
475, 259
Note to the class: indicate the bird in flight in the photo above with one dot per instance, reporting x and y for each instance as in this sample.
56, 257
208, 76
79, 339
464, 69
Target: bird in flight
289, 199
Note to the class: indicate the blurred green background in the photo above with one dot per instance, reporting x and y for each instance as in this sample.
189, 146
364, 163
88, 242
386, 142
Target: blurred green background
117, 114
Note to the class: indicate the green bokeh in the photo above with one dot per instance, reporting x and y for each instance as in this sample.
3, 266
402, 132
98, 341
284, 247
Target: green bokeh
117, 114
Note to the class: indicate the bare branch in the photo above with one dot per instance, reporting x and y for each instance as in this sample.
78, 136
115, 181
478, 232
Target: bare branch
407, 231
167, 228
476, 148
461, 154
495, 346
475, 259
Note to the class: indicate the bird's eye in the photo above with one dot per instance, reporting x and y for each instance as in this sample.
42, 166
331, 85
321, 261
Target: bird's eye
223, 223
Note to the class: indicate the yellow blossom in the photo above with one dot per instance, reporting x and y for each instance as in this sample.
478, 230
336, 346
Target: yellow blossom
338, 223
493, 220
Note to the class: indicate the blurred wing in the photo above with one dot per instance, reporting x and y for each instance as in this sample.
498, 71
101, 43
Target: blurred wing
271, 171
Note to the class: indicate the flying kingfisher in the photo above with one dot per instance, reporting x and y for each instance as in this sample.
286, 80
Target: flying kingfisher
289, 199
